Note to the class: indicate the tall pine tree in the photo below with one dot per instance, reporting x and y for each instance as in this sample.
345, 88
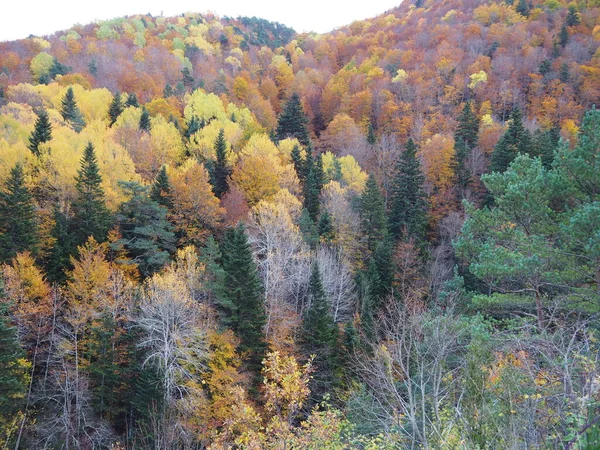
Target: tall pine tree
115, 109
516, 140
292, 121
90, 215
18, 228
145, 124
59, 259
42, 132
408, 214
161, 191
372, 213
221, 170
70, 111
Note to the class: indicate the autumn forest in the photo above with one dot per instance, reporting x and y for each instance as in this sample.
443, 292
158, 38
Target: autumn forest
219, 233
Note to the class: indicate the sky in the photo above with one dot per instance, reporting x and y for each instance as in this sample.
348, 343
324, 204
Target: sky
21, 18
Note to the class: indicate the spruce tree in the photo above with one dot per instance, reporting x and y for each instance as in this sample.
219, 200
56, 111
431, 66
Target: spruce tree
90, 215
298, 162
516, 140
242, 297
59, 259
193, 126
145, 124
372, 213
132, 101
326, 230
468, 127
13, 370
573, 16
221, 170
70, 111
545, 143
292, 121
311, 196
187, 79
371, 137
563, 36
42, 132
523, 8
161, 191
18, 228
115, 109
408, 214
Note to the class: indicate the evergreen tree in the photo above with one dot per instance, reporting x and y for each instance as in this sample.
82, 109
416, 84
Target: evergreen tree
468, 127
372, 214
309, 230
462, 174
193, 126
523, 8
132, 101
563, 36
408, 214
70, 111
161, 191
545, 144
59, 260
371, 137
311, 196
147, 235
18, 228
145, 124
292, 121
564, 74
298, 162
187, 79
90, 215
573, 16
42, 132
115, 109
320, 336
242, 299
326, 230
168, 91
93, 67
58, 69
516, 140
380, 274
221, 170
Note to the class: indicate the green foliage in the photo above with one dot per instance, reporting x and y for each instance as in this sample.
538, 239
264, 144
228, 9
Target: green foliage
221, 171
326, 230
115, 109
309, 230
18, 227
516, 140
372, 212
573, 16
132, 101
468, 127
42, 132
161, 191
70, 111
59, 259
545, 144
292, 121
145, 124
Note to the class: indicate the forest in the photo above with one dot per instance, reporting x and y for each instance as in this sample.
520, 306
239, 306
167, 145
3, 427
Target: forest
217, 233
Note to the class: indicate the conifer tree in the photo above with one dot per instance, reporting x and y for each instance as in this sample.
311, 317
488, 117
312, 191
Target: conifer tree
326, 230
90, 215
42, 132
298, 163
70, 111
132, 101
168, 91
523, 8
408, 214
311, 196
221, 170
242, 294
292, 121
545, 143
468, 127
187, 79
145, 124
161, 191
193, 126
59, 260
309, 230
115, 109
573, 16
372, 213
371, 137
516, 140
18, 228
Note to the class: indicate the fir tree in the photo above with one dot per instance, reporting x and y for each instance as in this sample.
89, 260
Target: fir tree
145, 124
380, 274
326, 230
309, 230
18, 228
545, 144
516, 140
132, 101
168, 91
298, 162
573, 17
70, 111
523, 8
563, 36
115, 109
408, 214
221, 170
42, 132
59, 259
371, 137
161, 191
564, 74
372, 213
90, 215
193, 126
468, 127
242, 299
187, 79
292, 121
311, 195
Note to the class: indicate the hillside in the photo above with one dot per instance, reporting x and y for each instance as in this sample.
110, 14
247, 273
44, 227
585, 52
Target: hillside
219, 233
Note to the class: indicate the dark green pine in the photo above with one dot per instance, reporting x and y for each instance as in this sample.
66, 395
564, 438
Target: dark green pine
221, 170
309, 230
42, 132
161, 191
115, 109
13, 373
563, 36
70, 111
59, 259
372, 213
462, 174
168, 91
18, 228
326, 230
468, 127
298, 162
523, 8
90, 214
545, 144
132, 101
516, 140
145, 124
311, 196
187, 79
371, 137
193, 126
292, 121
242, 297
573, 17
408, 213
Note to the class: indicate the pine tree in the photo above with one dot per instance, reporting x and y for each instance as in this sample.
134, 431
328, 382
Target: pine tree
18, 228
408, 214
168, 91
115, 109
545, 144
564, 74
70, 111
372, 213
145, 124
132, 101
161, 191
573, 16
516, 140
371, 137
298, 162
380, 274
563, 36
462, 174
320, 336
468, 127
242, 299
311, 196
326, 230
523, 8
292, 121
309, 230
42, 132
59, 260
90, 215
221, 170
187, 79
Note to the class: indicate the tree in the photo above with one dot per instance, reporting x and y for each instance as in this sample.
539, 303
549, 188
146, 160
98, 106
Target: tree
70, 111
90, 214
18, 227
132, 101
523, 8
42, 132
292, 121
468, 127
408, 213
573, 16
516, 140
371, 136
115, 109
162, 191
62, 248
145, 124
241, 301
221, 171
146, 233
372, 213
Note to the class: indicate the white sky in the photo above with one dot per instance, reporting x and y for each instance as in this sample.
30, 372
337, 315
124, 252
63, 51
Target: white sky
20, 18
